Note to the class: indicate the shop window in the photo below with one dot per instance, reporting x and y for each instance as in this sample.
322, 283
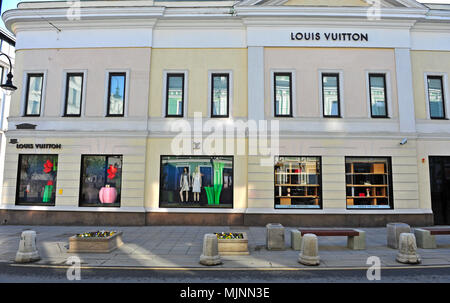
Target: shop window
220, 95
34, 94
377, 90
74, 91
283, 94
436, 97
116, 94
298, 182
196, 181
331, 95
369, 182
101, 180
175, 95
36, 181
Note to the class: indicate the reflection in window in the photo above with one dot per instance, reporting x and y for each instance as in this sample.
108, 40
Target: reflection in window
116, 95
377, 83
34, 94
36, 184
175, 95
196, 181
74, 87
283, 94
436, 97
219, 96
101, 180
297, 182
330, 95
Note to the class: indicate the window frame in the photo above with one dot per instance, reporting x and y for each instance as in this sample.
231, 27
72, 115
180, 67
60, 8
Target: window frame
66, 92
338, 86
27, 91
441, 77
274, 100
80, 191
167, 76
108, 94
385, 95
219, 74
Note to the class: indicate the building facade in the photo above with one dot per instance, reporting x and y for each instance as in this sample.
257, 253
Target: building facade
307, 113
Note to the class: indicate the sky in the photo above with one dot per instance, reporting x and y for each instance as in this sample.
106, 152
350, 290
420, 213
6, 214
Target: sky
10, 4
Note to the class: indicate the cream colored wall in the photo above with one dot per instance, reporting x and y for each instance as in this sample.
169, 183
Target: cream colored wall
198, 62
327, 2
96, 61
162, 146
426, 62
333, 152
307, 62
69, 166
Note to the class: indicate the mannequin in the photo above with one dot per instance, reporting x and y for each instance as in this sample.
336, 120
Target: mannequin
184, 184
197, 184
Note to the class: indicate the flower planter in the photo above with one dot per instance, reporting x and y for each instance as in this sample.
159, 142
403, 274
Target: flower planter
234, 246
95, 244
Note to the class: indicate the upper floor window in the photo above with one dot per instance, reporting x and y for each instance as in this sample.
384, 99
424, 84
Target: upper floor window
220, 93
33, 94
74, 90
116, 94
283, 94
175, 95
331, 95
378, 96
436, 97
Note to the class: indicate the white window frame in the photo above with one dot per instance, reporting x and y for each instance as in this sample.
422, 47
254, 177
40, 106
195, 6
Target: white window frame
185, 92
230, 91
83, 93
341, 92
273, 71
388, 88
445, 94
23, 98
127, 91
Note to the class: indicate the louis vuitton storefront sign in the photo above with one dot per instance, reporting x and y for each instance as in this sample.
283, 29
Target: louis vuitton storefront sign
314, 36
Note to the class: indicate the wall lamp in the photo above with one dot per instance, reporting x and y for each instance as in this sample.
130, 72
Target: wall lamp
8, 86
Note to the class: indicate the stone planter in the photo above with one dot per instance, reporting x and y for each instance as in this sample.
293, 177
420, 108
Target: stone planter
95, 244
234, 246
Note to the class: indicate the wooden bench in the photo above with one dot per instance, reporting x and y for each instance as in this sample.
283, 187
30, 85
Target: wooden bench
356, 239
426, 236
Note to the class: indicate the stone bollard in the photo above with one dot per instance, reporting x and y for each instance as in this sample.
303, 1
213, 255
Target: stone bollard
210, 255
407, 249
27, 248
309, 254
393, 233
424, 238
296, 239
275, 236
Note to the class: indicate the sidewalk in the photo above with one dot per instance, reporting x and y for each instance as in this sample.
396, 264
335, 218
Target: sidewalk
181, 246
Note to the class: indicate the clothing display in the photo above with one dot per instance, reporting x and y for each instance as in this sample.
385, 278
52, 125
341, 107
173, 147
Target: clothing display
197, 182
184, 182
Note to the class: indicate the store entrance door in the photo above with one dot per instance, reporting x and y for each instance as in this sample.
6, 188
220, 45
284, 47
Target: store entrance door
440, 189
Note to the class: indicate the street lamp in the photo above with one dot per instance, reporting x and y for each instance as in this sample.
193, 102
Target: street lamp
8, 86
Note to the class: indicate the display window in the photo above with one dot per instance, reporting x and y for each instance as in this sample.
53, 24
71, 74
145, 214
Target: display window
196, 181
368, 182
101, 180
298, 182
36, 181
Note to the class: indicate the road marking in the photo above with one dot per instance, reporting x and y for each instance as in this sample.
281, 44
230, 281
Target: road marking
229, 269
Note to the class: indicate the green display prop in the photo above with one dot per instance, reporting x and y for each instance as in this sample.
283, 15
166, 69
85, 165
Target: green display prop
209, 194
218, 181
47, 193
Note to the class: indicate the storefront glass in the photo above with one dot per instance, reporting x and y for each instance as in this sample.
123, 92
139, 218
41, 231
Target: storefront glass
36, 184
196, 181
101, 180
298, 182
369, 182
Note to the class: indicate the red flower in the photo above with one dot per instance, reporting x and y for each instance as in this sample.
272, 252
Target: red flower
50, 182
111, 172
48, 166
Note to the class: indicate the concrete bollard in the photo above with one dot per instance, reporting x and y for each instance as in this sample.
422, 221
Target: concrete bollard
210, 255
424, 238
309, 254
296, 239
393, 233
357, 242
27, 248
407, 249
275, 236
